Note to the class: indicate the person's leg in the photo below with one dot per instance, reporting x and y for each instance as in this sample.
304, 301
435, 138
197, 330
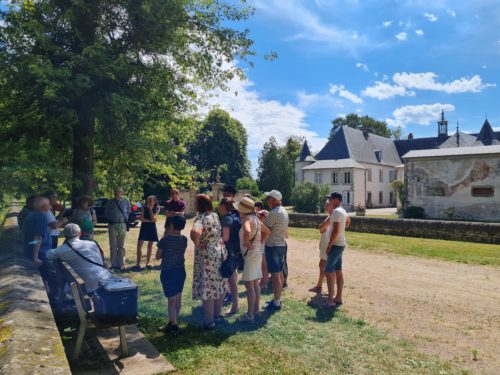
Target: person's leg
330, 282
339, 276
208, 310
218, 305
178, 301
285, 268
265, 274
113, 245
250, 298
321, 278
121, 245
139, 253
332, 263
150, 251
277, 278
172, 310
256, 286
233, 288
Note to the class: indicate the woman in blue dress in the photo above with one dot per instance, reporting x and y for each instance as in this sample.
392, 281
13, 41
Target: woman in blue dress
148, 231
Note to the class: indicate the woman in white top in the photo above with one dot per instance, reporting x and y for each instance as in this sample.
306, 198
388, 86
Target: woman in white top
252, 234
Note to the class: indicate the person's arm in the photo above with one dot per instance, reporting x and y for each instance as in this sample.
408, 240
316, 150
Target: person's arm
266, 232
36, 249
153, 214
347, 221
324, 225
226, 233
141, 218
159, 253
247, 230
335, 231
52, 254
196, 232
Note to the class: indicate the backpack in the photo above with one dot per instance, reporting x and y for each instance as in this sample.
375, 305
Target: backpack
235, 232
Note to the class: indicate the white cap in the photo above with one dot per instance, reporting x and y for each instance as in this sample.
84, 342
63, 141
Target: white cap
274, 194
71, 231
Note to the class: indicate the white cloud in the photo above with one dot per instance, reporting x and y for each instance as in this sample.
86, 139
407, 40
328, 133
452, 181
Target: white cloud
431, 17
402, 36
385, 77
309, 101
387, 23
262, 118
427, 81
423, 114
451, 13
382, 90
310, 26
362, 67
419, 32
342, 92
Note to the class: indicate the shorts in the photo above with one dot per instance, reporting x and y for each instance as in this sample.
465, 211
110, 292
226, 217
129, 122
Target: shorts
275, 258
334, 261
252, 268
173, 281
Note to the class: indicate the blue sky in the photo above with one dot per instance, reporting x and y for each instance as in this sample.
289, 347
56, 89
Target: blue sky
400, 61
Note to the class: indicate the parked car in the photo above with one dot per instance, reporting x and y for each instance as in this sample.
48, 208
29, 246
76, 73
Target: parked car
100, 207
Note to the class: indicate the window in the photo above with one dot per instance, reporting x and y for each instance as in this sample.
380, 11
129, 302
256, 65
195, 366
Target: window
346, 197
369, 199
391, 198
381, 175
391, 176
347, 177
483, 191
318, 178
380, 197
369, 175
335, 178
395, 174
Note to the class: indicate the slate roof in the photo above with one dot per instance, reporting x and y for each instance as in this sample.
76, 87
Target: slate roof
457, 151
486, 135
305, 153
405, 145
464, 140
350, 143
333, 164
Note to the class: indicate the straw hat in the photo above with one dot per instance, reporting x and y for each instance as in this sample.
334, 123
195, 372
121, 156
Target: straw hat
245, 206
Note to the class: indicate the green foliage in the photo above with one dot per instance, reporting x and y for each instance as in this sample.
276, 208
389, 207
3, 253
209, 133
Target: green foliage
220, 147
356, 121
93, 91
414, 212
248, 183
276, 170
398, 187
309, 198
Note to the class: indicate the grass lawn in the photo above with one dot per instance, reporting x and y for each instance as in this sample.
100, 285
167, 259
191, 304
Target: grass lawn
300, 339
456, 251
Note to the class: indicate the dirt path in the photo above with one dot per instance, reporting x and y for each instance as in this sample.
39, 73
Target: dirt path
446, 309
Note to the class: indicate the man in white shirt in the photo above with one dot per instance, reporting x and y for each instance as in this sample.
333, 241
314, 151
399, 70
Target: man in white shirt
336, 245
83, 256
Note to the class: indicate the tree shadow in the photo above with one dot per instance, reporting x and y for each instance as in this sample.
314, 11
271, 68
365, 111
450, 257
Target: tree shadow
323, 314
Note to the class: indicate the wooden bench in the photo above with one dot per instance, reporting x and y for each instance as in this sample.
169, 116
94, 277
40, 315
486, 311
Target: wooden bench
85, 309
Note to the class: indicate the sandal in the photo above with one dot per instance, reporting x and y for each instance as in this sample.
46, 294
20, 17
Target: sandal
316, 289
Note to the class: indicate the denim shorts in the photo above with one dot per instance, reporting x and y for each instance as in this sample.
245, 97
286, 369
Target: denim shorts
275, 258
334, 261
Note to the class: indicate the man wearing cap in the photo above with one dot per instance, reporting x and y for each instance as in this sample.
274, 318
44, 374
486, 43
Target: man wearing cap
277, 222
336, 245
117, 212
83, 256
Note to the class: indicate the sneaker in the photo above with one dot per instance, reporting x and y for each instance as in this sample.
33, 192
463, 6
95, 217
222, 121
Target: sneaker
148, 267
245, 318
272, 307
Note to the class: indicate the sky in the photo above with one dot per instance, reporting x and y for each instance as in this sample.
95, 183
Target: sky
398, 61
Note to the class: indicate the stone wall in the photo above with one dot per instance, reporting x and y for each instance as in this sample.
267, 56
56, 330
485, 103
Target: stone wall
438, 229
29, 340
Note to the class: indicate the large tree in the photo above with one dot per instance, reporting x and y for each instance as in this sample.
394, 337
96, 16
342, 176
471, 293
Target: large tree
356, 121
276, 170
220, 148
102, 83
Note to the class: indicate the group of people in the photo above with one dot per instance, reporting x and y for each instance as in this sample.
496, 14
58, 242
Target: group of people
241, 232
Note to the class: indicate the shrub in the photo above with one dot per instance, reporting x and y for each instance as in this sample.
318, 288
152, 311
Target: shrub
414, 212
248, 183
308, 197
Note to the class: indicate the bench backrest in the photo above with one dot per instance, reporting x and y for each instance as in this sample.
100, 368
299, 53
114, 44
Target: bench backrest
77, 286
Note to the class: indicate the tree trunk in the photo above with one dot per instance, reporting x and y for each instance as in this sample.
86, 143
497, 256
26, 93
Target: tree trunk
83, 152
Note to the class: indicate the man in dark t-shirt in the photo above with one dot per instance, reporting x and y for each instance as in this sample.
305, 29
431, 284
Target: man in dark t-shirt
174, 207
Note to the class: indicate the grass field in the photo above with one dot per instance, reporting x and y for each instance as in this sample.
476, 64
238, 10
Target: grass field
301, 339
462, 252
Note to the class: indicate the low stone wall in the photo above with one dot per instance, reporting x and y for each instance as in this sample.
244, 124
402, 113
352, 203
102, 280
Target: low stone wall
437, 229
29, 340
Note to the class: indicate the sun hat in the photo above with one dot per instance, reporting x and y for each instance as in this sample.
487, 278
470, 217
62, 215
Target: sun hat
71, 231
245, 206
274, 194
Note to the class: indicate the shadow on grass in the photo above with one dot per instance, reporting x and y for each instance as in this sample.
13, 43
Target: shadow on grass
323, 314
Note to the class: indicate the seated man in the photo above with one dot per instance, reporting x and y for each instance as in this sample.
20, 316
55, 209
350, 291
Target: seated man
83, 256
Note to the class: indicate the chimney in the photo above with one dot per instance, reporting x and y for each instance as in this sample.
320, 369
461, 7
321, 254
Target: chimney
410, 136
365, 132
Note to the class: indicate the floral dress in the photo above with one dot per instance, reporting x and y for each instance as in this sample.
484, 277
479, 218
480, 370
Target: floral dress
207, 279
